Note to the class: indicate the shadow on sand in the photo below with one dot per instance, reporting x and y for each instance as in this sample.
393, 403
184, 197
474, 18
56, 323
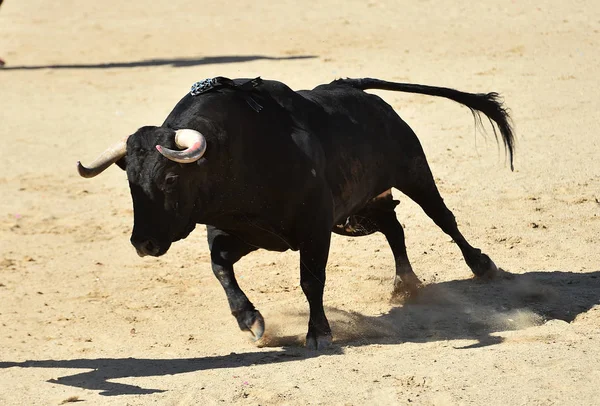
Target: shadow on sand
175, 62
455, 310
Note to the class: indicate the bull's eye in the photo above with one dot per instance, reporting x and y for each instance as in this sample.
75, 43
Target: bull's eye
171, 180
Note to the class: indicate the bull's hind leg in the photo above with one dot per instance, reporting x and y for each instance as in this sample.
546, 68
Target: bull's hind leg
406, 281
420, 186
381, 216
226, 250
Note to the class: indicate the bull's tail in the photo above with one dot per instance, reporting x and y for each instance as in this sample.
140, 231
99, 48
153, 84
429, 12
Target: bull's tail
489, 104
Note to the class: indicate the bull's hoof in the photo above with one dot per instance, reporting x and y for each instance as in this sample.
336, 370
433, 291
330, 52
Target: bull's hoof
489, 271
251, 321
484, 267
318, 343
406, 287
258, 327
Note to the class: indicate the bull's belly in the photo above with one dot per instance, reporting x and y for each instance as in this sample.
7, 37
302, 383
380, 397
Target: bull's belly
258, 234
267, 240
355, 227
355, 181
352, 203
358, 223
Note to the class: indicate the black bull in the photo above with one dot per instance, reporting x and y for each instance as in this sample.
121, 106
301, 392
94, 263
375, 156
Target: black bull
279, 169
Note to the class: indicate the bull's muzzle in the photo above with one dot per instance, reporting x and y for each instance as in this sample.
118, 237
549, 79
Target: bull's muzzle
146, 247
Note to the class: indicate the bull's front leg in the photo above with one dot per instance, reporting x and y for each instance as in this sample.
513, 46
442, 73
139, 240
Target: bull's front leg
226, 250
313, 260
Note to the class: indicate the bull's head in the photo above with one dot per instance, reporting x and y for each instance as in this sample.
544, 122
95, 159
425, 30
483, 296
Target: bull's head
162, 189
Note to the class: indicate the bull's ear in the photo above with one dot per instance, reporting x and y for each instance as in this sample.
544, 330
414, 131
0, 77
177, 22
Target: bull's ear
122, 163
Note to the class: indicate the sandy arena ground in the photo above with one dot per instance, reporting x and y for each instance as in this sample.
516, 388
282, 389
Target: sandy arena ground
83, 318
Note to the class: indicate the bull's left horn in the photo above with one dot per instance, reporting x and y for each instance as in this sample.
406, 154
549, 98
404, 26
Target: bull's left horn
106, 159
193, 142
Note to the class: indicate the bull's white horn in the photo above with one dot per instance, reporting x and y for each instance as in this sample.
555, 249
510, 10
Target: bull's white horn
106, 159
193, 142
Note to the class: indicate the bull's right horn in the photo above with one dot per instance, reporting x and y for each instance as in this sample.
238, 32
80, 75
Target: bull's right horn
192, 141
106, 159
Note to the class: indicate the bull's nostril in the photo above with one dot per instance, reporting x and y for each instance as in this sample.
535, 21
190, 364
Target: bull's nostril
150, 247
146, 246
